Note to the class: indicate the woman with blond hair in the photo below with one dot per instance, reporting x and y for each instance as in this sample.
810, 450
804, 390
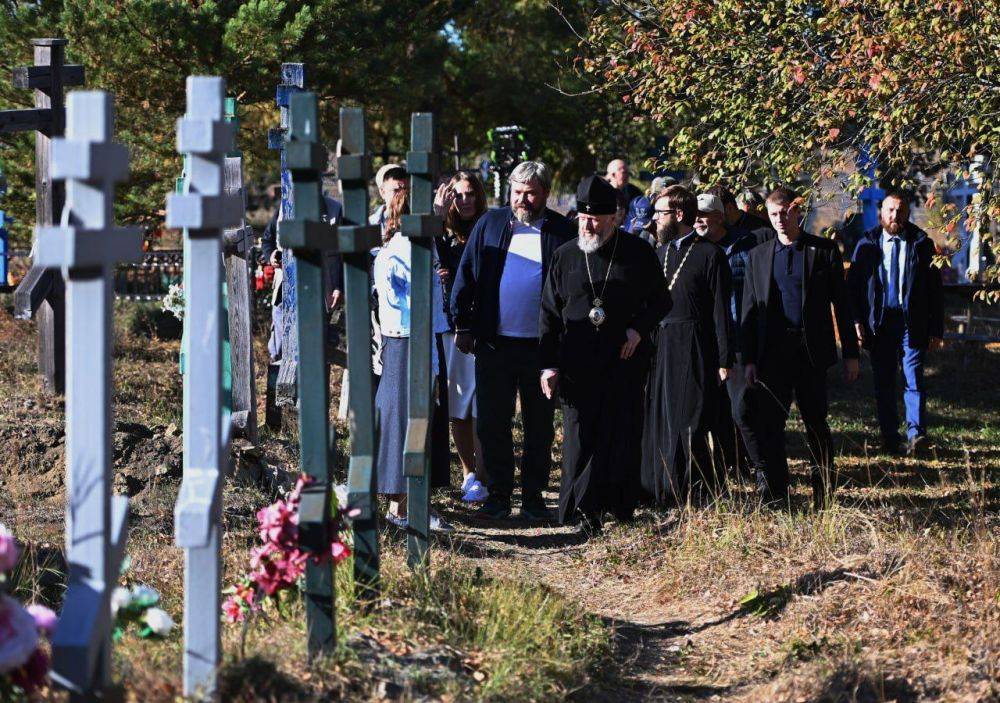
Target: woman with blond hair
391, 279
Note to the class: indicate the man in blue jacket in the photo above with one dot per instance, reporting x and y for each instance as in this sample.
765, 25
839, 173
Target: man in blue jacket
898, 308
496, 305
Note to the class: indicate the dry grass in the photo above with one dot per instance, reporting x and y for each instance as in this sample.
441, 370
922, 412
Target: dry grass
894, 594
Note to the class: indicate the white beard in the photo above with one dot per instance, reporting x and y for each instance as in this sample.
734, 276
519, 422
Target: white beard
588, 245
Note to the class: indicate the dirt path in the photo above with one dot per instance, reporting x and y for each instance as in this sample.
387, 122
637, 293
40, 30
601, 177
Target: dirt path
649, 646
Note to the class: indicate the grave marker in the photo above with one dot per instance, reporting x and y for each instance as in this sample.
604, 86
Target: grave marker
42, 292
203, 210
284, 379
86, 245
355, 240
421, 226
308, 237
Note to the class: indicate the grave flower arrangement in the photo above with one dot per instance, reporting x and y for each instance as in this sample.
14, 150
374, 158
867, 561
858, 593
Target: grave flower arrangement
173, 301
24, 659
135, 607
278, 564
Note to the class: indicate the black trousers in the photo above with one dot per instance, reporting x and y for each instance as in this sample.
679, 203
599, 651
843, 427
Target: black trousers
506, 369
787, 373
734, 432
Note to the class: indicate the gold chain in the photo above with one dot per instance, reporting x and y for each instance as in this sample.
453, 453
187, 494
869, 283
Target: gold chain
666, 258
586, 259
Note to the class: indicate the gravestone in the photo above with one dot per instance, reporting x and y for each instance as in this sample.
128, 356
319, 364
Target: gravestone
203, 210
355, 240
308, 237
421, 226
283, 379
86, 245
41, 292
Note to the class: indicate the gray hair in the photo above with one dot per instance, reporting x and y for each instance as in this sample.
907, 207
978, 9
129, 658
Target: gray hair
528, 171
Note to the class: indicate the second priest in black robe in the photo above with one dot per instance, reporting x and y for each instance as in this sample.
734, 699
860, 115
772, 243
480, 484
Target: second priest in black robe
692, 345
601, 392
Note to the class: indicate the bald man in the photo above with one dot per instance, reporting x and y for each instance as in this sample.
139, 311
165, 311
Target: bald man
617, 175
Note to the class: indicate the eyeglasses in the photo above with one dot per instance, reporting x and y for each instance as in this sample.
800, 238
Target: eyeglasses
661, 213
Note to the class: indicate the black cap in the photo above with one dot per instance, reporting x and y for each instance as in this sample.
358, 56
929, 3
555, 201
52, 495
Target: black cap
595, 196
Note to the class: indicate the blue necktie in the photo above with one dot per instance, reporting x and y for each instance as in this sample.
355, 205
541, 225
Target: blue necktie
893, 301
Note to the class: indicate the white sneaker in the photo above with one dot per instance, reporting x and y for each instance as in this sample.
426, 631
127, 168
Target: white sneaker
476, 493
440, 525
467, 483
400, 522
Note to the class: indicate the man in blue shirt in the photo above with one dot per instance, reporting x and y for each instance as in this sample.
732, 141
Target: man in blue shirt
898, 311
496, 306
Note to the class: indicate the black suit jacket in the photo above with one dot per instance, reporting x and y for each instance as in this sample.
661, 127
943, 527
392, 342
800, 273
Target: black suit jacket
823, 288
923, 299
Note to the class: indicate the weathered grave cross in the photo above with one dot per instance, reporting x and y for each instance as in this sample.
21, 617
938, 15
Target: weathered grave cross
285, 377
41, 291
309, 237
355, 239
421, 226
204, 210
86, 245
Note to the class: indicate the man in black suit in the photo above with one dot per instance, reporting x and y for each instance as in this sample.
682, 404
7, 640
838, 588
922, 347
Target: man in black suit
898, 308
788, 339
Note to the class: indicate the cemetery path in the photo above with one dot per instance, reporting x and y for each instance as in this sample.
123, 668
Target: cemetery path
648, 645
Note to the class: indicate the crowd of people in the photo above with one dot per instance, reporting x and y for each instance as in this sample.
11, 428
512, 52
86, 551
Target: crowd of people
674, 328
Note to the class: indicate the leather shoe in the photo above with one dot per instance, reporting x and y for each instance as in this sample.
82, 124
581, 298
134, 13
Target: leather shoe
494, 510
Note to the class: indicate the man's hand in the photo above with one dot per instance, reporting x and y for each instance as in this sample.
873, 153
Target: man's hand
444, 274
275, 259
935, 344
464, 342
550, 380
859, 330
334, 299
632, 339
852, 369
751, 374
723, 375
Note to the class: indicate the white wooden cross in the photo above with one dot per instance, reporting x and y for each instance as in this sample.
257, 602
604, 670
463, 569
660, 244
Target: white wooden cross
203, 210
86, 245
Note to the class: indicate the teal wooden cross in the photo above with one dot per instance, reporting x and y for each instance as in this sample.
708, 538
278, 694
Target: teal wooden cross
421, 226
355, 240
309, 237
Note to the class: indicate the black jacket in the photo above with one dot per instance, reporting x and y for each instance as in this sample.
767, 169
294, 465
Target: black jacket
475, 296
333, 260
923, 300
823, 286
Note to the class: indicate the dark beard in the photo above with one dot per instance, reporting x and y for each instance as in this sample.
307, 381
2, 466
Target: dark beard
667, 232
892, 228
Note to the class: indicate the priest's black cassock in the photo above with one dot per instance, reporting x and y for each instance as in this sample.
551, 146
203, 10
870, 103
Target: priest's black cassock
683, 394
602, 394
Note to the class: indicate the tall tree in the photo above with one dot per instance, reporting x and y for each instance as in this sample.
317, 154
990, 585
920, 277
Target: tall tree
776, 90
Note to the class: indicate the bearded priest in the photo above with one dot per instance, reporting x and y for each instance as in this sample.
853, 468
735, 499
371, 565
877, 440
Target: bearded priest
603, 297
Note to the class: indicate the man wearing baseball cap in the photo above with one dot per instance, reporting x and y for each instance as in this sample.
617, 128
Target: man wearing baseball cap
388, 179
732, 430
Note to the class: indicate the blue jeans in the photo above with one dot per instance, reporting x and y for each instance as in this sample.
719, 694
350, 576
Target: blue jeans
890, 348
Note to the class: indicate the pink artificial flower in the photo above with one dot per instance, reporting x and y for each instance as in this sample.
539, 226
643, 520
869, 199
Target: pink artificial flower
32, 675
267, 578
339, 551
18, 634
278, 524
45, 619
292, 566
261, 554
232, 608
296, 494
9, 551
245, 593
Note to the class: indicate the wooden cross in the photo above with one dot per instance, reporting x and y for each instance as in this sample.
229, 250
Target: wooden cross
309, 237
355, 240
421, 226
86, 246
41, 291
236, 244
292, 81
204, 210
